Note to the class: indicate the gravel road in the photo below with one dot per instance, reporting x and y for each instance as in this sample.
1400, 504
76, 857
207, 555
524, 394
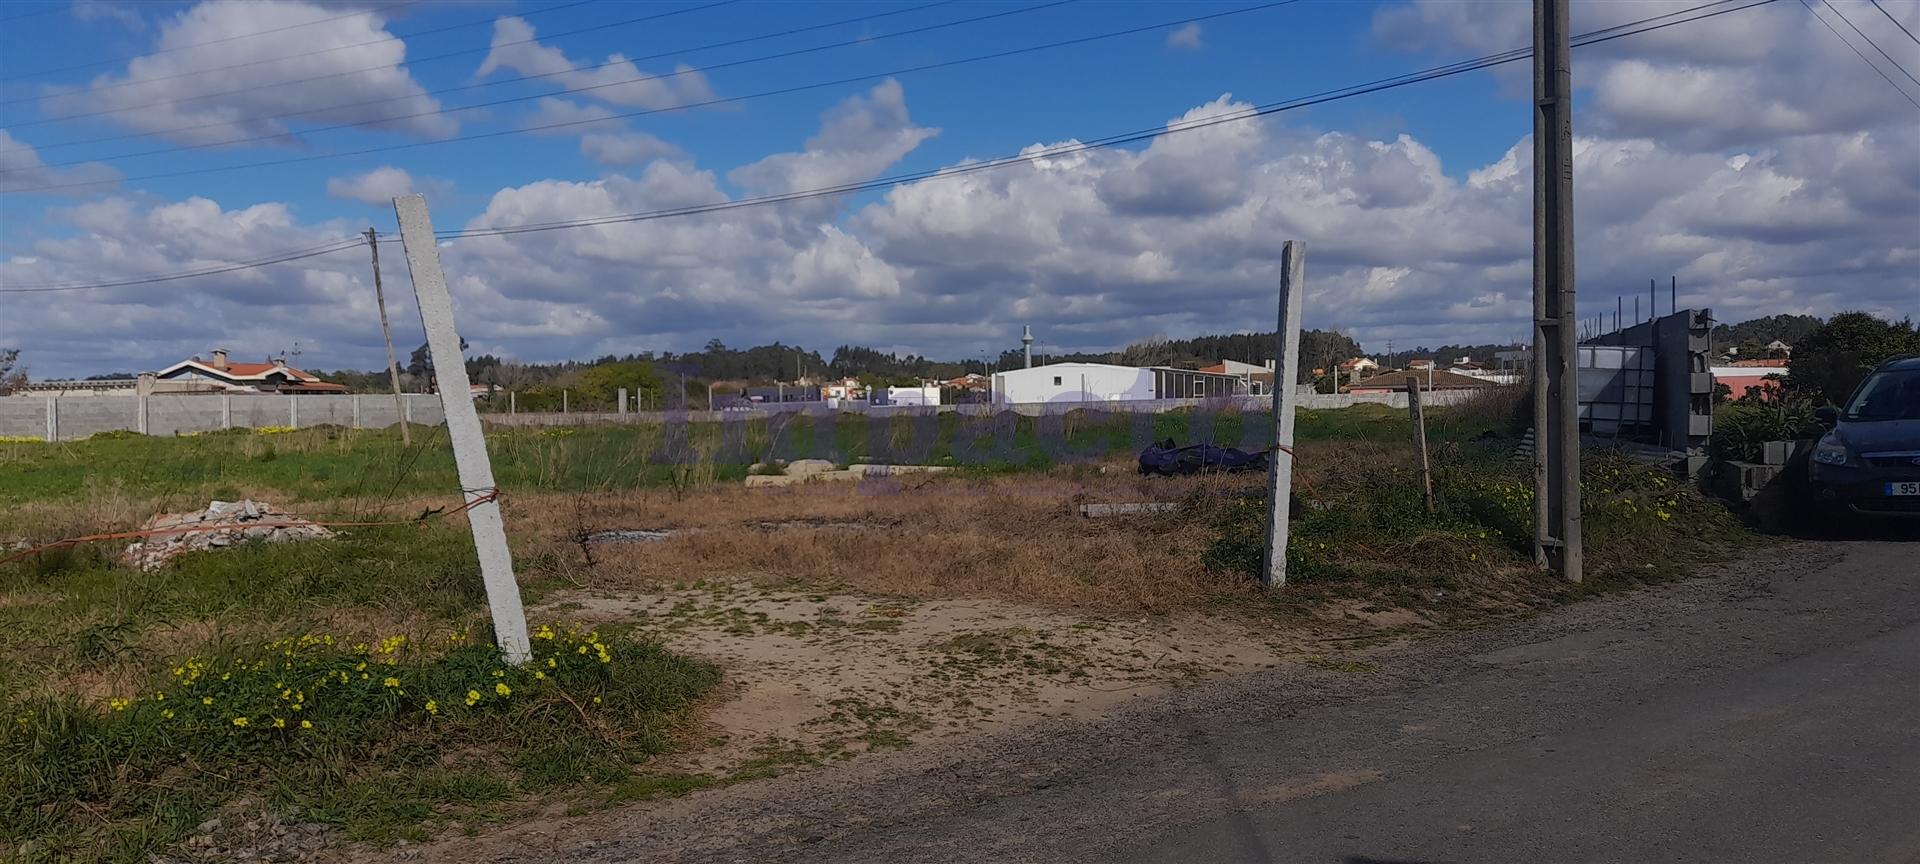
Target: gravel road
1768, 712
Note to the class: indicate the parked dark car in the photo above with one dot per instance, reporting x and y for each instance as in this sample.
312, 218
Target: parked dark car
1868, 463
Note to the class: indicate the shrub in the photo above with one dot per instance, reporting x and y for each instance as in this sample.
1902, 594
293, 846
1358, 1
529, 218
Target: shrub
1741, 426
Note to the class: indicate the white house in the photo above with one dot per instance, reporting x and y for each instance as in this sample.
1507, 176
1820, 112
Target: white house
1068, 383
923, 395
1072, 382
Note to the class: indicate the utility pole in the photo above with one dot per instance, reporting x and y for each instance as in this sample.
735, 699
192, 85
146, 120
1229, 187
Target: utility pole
393, 362
1556, 458
463, 429
1286, 369
1653, 299
1673, 293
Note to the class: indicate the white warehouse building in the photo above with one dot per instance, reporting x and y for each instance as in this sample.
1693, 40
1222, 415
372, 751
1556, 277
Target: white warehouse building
1105, 382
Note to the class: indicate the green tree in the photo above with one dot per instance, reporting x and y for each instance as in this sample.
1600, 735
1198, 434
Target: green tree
1830, 361
601, 385
12, 375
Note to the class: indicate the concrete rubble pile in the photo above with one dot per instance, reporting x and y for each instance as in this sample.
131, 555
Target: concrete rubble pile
223, 523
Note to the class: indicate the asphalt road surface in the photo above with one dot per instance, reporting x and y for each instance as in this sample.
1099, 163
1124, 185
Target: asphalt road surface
1768, 714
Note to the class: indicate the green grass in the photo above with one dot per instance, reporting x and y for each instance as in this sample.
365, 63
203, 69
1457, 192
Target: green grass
84, 782
382, 739
1366, 527
330, 463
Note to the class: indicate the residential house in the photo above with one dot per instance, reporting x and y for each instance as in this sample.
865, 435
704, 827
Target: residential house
1257, 380
969, 381
273, 376
1428, 378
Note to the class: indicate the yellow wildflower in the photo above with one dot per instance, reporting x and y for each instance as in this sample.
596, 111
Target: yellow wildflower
497, 673
502, 689
239, 721
166, 713
119, 704
433, 707
472, 697
539, 676
279, 722
391, 681
306, 724
206, 700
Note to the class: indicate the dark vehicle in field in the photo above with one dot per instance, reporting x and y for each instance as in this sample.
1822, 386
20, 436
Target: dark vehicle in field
1868, 463
1166, 459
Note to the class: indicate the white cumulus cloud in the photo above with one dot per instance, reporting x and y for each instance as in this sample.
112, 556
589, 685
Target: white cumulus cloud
311, 73
383, 184
616, 81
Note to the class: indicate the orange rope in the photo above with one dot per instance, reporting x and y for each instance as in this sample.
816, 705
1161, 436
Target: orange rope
489, 495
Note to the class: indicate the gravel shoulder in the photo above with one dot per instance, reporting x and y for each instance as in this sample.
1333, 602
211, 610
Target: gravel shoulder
1100, 787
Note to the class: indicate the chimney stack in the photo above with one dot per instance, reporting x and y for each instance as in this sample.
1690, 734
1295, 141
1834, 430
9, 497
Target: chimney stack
219, 358
1026, 343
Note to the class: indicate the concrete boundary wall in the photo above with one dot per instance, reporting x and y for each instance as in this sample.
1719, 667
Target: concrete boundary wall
69, 418
1316, 402
76, 417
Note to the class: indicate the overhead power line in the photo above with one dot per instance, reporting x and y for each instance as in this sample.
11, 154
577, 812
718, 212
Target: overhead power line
1430, 74
1644, 25
341, 74
690, 70
285, 27
542, 127
57, 7
1896, 21
281, 258
1857, 53
495, 83
1869, 39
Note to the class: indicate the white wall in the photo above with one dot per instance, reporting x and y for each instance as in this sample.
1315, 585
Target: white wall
1079, 382
914, 395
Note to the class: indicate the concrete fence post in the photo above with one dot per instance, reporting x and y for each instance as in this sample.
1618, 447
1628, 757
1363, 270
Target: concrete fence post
293, 411
356, 411
622, 410
1286, 370
53, 419
513, 401
406, 411
140, 411
226, 411
464, 429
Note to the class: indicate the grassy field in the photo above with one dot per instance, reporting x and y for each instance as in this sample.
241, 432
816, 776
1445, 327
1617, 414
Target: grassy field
351, 682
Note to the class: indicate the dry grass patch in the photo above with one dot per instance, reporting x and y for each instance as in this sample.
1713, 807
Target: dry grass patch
1013, 537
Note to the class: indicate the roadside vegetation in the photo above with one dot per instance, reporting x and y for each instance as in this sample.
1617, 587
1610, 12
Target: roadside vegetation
229, 683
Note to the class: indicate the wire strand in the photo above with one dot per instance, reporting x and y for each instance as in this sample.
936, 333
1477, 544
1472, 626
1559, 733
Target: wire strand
585, 88
1896, 21
112, 60
1432, 73
484, 84
542, 127
1857, 53
309, 79
1869, 39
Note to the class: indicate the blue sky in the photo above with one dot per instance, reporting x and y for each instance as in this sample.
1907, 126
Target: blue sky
1712, 151
985, 109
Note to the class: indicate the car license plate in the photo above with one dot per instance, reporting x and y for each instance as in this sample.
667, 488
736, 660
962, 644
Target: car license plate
1908, 488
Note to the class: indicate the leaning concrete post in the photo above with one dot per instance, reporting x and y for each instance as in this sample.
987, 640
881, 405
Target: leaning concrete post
463, 428
1285, 394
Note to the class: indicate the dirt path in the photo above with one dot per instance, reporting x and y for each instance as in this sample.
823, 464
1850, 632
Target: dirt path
814, 677
1066, 788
